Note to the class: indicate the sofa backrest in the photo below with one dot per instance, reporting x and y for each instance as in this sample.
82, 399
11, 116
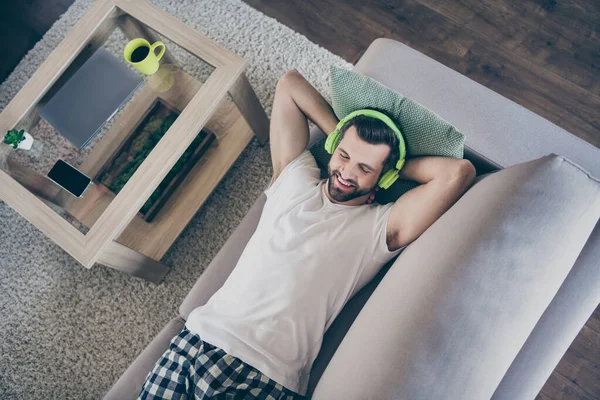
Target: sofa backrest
459, 303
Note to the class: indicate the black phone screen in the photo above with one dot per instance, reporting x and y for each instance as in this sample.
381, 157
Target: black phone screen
69, 178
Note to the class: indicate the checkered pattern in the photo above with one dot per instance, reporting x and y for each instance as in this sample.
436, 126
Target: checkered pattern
193, 369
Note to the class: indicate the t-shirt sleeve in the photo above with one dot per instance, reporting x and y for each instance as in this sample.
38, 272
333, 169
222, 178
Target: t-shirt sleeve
296, 178
380, 253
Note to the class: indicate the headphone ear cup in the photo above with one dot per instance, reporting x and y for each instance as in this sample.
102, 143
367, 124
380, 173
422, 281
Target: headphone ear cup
332, 141
388, 179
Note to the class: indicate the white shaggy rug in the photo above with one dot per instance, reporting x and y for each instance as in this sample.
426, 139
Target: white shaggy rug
68, 332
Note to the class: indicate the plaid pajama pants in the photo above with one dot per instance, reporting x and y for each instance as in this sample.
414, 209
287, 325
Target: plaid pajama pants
193, 369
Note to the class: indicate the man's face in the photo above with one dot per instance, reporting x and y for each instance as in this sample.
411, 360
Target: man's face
358, 164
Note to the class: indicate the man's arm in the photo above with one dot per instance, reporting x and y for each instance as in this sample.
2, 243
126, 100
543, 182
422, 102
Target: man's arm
296, 100
443, 179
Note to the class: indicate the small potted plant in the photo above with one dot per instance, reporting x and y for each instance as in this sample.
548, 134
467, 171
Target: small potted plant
18, 139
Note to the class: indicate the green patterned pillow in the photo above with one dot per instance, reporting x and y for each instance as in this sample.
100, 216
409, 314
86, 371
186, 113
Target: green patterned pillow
425, 132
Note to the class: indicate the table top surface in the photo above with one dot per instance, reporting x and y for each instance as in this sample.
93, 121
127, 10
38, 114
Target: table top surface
142, 136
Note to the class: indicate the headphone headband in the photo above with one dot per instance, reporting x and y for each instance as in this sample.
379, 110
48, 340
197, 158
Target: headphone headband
334, 138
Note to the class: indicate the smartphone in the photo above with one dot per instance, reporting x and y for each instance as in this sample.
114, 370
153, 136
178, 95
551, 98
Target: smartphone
69, 178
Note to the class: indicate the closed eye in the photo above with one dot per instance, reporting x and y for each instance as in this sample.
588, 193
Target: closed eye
361, 168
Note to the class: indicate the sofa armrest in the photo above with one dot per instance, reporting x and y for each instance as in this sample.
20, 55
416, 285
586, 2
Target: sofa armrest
570, 309
459, 303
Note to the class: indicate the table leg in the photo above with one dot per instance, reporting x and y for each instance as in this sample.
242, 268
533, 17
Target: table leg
247, 102
120, 257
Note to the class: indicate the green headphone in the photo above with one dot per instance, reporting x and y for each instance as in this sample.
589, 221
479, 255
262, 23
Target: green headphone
334, 139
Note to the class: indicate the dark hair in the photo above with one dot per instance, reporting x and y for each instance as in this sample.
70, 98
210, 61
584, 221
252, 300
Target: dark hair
375, 131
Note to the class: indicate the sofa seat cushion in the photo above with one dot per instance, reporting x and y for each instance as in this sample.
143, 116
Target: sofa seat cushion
458, 304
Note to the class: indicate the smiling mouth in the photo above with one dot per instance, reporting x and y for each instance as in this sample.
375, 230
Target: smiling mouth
343, 185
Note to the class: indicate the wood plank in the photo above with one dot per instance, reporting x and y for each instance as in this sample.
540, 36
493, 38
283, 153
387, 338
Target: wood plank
523, 32
247, 102
574, 17
542, 396
587, 340
560, 388
581, 369
322, 23
574, 112
594, 321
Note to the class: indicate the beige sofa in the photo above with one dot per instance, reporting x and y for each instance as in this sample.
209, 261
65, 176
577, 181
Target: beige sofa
485, 303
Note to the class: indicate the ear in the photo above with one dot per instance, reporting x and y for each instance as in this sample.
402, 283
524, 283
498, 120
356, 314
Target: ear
372, 195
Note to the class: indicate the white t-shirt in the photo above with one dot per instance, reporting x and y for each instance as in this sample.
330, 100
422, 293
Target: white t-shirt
307, 258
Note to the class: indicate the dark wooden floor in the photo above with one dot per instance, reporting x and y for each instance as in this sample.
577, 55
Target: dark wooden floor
22, 24
544, 55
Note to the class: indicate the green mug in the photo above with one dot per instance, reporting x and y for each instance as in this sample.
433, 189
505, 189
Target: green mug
141, 54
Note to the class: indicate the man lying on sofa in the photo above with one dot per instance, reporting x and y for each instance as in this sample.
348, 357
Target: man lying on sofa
317, 243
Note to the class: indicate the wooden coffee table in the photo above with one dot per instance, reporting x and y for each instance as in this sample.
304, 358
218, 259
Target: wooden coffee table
104, 227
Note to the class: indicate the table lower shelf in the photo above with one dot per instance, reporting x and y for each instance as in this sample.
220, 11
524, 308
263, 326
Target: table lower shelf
155, 238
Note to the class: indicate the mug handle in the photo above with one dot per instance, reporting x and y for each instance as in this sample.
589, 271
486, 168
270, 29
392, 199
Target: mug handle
162, 51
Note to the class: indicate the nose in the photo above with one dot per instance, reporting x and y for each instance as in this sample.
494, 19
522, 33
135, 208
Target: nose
346, 175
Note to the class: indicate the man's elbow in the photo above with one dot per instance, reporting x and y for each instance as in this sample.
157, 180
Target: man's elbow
289, 79
465, 173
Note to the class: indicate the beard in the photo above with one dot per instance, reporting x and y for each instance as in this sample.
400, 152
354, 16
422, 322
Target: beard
341, 195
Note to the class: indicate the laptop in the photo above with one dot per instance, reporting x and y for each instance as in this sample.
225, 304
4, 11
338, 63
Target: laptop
79, 110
